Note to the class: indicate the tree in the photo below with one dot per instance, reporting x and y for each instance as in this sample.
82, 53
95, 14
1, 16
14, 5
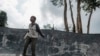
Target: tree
90, 6
3, 19
48, 26
79, 23
87, 5
65, 16
74, 29
60, 3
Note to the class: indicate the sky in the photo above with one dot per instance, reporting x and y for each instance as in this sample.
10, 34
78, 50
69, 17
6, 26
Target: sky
20, 11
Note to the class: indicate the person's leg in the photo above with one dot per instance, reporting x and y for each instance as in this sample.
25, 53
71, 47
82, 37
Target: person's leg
33, 46
27, 42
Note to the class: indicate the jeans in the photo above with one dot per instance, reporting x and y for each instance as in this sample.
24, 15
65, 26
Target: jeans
29, 40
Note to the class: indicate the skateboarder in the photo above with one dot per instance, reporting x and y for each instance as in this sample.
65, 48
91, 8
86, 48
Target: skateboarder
32, 36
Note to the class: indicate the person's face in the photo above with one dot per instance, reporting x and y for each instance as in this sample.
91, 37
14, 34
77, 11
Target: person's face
32, 20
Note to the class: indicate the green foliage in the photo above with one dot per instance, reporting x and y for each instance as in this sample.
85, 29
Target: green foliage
57, 2
89, 5
48, 26
3, 19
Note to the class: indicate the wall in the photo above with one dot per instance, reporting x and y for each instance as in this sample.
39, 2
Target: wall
55, 43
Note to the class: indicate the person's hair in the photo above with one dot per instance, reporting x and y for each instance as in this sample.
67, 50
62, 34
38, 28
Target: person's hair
33, 17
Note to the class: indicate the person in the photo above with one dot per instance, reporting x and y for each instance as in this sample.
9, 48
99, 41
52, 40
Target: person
32, 35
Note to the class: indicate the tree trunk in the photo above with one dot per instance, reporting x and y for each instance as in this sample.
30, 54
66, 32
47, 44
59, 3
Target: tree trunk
65, 16
79, 23
89, 19
74, 30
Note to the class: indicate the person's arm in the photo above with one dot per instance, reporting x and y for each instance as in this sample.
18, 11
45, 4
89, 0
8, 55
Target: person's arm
38, 30
29, 28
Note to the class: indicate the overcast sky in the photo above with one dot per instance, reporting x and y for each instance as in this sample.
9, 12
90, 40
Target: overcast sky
19, 12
